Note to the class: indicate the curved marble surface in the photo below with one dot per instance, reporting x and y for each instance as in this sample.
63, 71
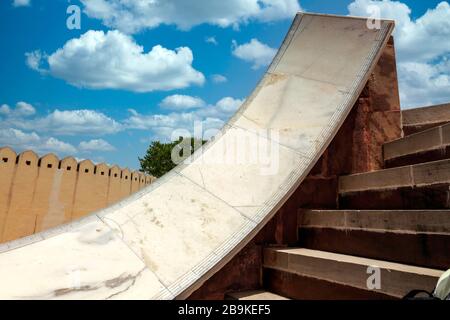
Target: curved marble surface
166, 240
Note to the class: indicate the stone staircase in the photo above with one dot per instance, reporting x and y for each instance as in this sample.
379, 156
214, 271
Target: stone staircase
420, 119
396, 220
429, 145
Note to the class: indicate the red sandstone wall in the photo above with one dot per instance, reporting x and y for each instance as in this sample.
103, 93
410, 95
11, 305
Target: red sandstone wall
40, 193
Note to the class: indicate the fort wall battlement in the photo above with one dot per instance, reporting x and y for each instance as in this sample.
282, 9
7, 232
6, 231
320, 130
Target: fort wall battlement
38, 193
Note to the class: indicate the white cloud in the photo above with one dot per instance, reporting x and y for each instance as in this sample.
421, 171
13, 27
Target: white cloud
229, 105
25, 133
113, 60
57, 146
91, 122
254, 52
16, 137
424, 84
212, 117
69, 122
218, 78
20, 141
211, 40
96, 145
182, 102
132, 16
222, 110
432, 29
21, 3
423, 49
21, 132
35, 59
5, 109
165, 127
22, 109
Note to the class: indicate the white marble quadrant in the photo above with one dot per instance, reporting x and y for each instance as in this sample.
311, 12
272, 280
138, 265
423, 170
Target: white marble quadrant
177, 226
244, 181
309, 112
328, 49
89, 262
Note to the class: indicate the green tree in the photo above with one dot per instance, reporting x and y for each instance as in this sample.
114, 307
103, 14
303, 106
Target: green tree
158, 158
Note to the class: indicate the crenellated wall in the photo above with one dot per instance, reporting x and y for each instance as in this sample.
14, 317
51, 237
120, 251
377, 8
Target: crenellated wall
40, 193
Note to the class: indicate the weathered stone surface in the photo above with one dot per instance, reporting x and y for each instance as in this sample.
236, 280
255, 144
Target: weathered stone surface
420, 175
383, 85
425, 146
402, 198
411, 221
415, 237
230, 278
420, 157
419, 142
396, 279
378, 117
419, 119
305, 288
431, 173
446, 134
382, 179
423, 249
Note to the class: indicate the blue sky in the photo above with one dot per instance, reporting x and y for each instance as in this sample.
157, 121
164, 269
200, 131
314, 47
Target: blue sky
104, 92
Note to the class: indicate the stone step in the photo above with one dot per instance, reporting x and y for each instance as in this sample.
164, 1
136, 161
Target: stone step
429, 145
311, 274
419, 119
421, 186
420, 238
254, 295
